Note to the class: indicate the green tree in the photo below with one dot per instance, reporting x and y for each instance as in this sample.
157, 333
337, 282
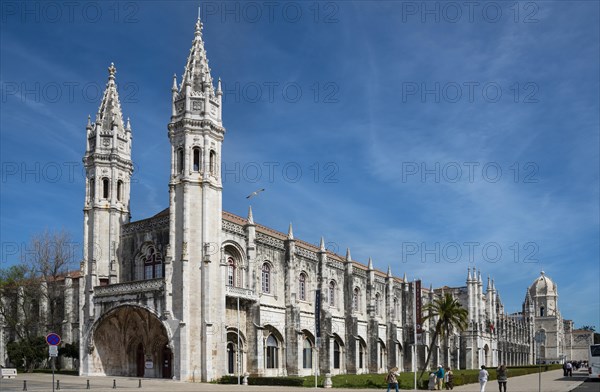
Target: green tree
31, 294
27, 354
450, 316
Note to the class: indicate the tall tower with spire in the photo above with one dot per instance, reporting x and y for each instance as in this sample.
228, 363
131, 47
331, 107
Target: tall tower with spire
196, 133
108, 169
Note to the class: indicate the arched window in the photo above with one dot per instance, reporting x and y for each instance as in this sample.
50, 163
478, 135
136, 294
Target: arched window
336, 354
153, 264
266, 278
302, 286
119, 190
231, 272
105, 187
361, 354
307, 354
180, 160
542, 309
272, 351
196, 159
213, 162
382, 356
355, 299
92, 189
377, 304
332, 293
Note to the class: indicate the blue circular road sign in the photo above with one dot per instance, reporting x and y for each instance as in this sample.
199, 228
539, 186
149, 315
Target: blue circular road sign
53, 339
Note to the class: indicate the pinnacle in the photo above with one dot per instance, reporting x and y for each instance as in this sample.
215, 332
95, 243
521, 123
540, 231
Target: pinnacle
250, 216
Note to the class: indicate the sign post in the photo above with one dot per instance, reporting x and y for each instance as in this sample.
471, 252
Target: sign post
53, 340
540, 338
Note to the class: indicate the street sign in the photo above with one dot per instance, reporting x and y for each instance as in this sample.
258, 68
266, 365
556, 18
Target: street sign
53, 339
53, 351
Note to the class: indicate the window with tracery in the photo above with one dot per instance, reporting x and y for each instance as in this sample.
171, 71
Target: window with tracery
355, 299
332, 293
234, 275
153, 263
307, 354
272, 352
302, 286
266, 278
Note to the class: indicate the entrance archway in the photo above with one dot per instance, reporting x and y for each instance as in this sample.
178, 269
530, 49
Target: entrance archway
131, 341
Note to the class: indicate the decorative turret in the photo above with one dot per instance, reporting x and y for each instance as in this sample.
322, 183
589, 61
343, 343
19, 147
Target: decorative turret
108, 169
290, 235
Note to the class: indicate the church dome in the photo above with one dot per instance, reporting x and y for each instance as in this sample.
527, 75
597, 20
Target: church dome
543, 286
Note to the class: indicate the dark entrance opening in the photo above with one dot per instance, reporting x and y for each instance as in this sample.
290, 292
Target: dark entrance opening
167, 363
140, 359
231, 358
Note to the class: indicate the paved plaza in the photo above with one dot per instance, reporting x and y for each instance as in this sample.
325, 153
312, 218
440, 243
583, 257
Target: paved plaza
551, 382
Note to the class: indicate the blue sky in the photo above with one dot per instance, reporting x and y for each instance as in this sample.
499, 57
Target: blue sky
431, 136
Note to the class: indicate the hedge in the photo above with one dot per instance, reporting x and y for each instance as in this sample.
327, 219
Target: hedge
281, 381
377, 381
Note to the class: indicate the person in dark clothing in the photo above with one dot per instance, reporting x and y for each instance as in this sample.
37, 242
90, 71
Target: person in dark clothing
502, 377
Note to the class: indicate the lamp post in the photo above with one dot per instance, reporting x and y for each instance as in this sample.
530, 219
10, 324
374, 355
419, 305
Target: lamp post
540, 338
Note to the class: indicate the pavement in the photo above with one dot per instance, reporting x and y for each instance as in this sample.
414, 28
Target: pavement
552, 381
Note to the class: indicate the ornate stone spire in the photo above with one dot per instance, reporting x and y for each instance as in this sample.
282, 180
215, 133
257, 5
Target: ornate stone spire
109, 114
389, 272
370, 266
348, 256
197, 72
469, 276
405, 279
322, 245
290, 232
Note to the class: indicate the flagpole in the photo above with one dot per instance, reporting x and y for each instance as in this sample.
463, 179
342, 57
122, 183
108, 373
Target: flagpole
415, 333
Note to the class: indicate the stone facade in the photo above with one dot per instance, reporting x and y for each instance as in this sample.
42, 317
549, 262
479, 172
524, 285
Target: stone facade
194, 293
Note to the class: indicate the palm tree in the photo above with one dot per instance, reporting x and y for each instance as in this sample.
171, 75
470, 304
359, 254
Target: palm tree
450, 316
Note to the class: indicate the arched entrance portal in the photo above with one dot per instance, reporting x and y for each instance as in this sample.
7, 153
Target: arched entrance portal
131, 341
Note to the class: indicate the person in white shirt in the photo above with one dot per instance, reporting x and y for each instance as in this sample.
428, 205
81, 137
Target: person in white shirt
483, 377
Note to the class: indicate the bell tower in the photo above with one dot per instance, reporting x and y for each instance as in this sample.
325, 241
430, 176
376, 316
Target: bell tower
108, 169
195, 192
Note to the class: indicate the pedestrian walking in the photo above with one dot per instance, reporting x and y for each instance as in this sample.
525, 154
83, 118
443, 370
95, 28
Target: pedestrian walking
431, 384
502, 376
439, 378
392, 380
483, 378
449, 379
569, 369
564, 369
